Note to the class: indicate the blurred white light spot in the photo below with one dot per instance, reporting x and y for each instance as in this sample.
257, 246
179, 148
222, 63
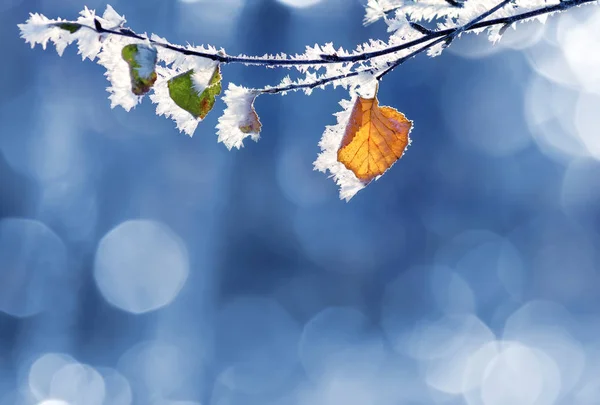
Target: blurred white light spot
257, 342
53, 402
300, 3
78, 384
576, 43
155, 369
33, 267
587, 122
474, 371
42, 371
550, 111
520, 375
474, 46
118, 390
445, 347
445, 337
588, 391
520, 37
141, 266
544, 325
547, 61
340, 340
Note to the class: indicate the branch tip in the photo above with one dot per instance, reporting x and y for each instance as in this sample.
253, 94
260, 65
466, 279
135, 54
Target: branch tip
98, 25
422, 29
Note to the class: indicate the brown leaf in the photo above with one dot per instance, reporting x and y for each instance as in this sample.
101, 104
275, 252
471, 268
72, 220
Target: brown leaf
251, 123
374, 140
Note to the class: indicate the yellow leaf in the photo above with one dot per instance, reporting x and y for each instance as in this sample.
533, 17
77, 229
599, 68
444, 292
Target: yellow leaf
375, 138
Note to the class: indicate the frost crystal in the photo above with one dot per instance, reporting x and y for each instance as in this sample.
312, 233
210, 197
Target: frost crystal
39, 29
165, 105
118, 71
239, 120
328, 160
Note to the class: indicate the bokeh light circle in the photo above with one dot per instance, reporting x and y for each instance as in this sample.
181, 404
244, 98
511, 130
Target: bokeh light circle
141, 266
300, 3
156, 369
78, 384
33, 267
118, 390
53, 402
445, 348
545, 326
42, 372
520, 375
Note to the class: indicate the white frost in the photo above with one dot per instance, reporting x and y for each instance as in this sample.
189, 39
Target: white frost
165, 105
374, 11
89, 41
39, 29
117, 71
327, 159
239, 112
203, 71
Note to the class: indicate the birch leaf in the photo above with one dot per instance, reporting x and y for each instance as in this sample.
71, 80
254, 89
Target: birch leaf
184, 93
374, 140
366, 141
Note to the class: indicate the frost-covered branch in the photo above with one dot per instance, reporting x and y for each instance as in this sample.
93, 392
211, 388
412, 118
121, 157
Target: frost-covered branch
329, 54
185, 81
439, 37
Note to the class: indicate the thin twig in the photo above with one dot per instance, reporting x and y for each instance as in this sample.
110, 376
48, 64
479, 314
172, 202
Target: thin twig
448, 37
327, 59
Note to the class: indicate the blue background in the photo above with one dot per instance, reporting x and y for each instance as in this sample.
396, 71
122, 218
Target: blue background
486, 232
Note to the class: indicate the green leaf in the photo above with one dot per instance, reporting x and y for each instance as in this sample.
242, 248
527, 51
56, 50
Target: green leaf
71, 27
142, 61
184, 94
